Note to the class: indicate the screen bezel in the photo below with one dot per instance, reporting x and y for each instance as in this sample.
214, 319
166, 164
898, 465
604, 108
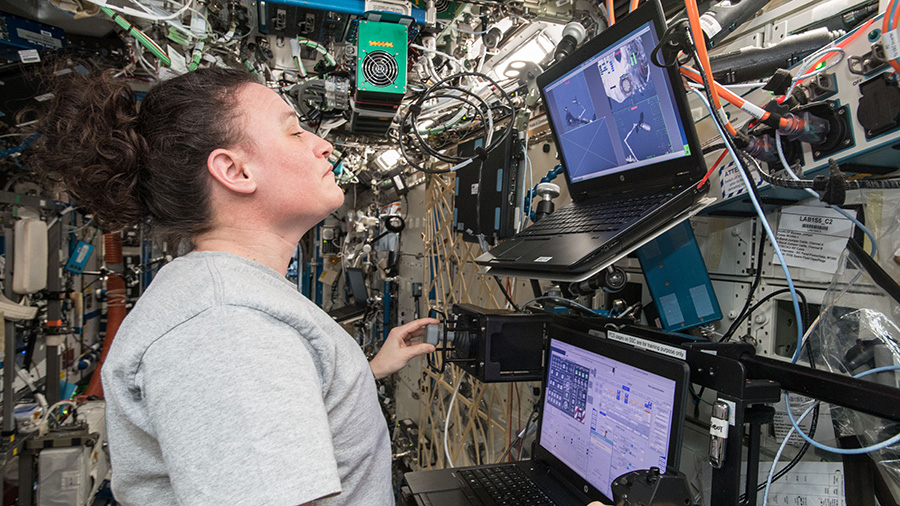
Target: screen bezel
669, 368
668, 173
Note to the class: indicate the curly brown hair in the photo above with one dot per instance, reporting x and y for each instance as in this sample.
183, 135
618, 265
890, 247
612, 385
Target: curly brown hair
130, 163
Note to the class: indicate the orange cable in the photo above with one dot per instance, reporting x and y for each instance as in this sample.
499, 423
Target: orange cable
703, 56
888, 24
733, 98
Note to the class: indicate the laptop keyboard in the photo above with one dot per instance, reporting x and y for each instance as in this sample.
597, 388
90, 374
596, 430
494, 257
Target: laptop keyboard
505, 485
596, 217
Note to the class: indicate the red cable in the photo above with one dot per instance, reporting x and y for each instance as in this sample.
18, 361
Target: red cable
115, 308
710, 171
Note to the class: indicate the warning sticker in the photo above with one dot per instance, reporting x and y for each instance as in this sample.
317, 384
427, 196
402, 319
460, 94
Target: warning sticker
731, 183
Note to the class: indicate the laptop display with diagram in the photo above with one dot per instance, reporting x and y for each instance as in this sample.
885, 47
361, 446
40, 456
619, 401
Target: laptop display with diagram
627, 145
606, 409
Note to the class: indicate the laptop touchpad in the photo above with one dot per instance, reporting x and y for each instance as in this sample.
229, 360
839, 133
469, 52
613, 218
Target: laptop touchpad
447, 498
516, 251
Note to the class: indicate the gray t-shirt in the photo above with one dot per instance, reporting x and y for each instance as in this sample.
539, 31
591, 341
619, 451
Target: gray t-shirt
225, 385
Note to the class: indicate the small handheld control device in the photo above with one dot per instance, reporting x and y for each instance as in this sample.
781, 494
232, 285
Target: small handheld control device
649, 487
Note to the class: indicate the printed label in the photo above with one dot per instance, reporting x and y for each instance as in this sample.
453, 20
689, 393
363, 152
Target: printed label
782, 424
718, 427
813, 237
29, 56
372, 5
891, 42
543, 259
710, 26
644, 344
39, 38
82, 253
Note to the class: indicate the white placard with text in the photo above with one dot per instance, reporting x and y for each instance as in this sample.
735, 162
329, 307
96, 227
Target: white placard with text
813, 237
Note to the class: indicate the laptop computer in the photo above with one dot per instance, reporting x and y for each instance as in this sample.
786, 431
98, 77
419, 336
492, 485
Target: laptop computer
356, 280
627, 145
606, 409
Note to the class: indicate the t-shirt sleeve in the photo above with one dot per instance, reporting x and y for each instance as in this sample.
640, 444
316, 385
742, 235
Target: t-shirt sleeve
236, 405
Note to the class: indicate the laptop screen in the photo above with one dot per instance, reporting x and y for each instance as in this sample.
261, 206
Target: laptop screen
603, 417
616, 111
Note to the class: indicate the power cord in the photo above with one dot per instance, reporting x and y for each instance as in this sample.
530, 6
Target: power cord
739, 159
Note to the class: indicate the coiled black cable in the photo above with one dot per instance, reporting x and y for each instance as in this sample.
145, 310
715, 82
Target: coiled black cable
480, 112
409, 121
433, 152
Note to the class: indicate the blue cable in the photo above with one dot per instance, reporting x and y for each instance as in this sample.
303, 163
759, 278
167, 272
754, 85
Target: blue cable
530, 168
769, 233
812, 192
846, 451
796, 428
21, 147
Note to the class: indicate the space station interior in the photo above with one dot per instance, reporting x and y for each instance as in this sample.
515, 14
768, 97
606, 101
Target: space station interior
656, 241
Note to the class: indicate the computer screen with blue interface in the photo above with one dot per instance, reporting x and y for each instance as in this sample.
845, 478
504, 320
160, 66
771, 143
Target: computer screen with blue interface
604, 418
616, 111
